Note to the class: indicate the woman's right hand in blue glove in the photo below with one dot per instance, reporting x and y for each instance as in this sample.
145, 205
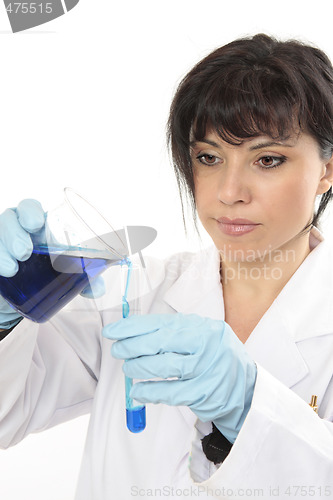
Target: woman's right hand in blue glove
16, 226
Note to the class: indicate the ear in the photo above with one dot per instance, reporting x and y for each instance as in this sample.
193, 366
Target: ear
326, 179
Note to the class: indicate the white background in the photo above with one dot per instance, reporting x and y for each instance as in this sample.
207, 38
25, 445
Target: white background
83, 103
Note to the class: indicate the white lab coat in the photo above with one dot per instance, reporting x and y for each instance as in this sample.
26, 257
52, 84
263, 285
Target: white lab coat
56, 371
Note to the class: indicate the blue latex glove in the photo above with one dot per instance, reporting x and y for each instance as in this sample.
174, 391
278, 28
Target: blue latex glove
16, 226
215, 376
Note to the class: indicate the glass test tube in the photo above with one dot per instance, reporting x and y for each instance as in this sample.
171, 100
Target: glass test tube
131, 279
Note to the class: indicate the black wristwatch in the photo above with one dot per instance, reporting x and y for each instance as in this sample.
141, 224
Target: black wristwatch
215, 446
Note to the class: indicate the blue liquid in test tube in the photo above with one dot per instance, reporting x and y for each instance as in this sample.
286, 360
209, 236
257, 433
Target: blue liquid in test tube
135, 414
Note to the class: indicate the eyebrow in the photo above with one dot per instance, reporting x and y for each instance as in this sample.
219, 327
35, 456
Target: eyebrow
267, 144
261, 145
207, 141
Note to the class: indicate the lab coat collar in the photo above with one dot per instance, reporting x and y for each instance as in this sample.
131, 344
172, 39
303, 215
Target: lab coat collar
290, 318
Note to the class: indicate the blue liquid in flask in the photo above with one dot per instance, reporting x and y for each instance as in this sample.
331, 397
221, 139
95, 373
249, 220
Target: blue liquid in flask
135, 414
49, 279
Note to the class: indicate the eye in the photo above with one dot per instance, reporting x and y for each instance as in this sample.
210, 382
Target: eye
207, 159
268, 162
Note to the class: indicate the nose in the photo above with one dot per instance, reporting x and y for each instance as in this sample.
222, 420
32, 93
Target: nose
234, 186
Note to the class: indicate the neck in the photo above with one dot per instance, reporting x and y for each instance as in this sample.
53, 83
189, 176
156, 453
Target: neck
268, 274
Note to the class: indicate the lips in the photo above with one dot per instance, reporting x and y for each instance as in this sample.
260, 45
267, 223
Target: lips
242, 222
236, 227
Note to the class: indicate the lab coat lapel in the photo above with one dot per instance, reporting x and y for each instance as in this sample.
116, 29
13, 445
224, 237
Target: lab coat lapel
289, 320
198, 289
271, 346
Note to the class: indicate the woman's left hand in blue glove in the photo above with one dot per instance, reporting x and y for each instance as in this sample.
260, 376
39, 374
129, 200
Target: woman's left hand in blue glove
210, 369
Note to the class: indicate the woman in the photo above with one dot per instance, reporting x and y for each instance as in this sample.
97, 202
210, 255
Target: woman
243, 331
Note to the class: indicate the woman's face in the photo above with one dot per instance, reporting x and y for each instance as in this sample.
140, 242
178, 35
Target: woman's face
257, 197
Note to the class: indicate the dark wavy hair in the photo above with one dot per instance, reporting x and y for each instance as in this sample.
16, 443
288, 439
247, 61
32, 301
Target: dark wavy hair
252, 86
